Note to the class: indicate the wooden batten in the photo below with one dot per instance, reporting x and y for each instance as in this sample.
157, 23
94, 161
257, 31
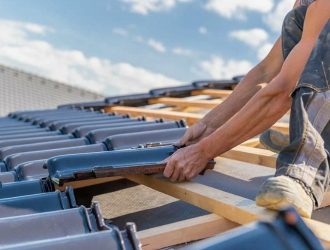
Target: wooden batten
184, 231
252, 155
87, 183
254, 143
232, 207
220, 93
183, 103
170, 115
173, 115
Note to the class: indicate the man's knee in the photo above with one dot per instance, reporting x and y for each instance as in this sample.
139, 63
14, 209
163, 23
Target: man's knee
317, 68
292, 29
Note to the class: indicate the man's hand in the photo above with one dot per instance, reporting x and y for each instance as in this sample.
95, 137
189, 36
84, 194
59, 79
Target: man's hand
195, 133
186, 163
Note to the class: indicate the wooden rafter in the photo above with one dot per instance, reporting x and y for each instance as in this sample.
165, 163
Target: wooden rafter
254, 143
252, 155
232, 207
213, 92
87, 183
179, 102
173, 115
235, 208
184, 231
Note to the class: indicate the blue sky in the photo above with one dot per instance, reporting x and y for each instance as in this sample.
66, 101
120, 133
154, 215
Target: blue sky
124, 46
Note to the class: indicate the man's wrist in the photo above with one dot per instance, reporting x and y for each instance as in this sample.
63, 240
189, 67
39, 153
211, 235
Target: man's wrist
205, 146
208, 127
208, 124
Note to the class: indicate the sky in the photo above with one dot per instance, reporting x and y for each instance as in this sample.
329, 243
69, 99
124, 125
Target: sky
130, 46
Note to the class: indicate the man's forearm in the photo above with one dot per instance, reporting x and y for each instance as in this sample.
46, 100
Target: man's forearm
265, 108
248, 87
264, 72
260, 113
240, 96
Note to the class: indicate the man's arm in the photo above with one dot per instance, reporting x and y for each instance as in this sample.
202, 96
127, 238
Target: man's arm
272, 102
261, 112
265, 71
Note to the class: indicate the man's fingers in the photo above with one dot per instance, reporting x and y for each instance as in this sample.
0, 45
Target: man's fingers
182, 177
192, 174
166, 160
192, 134
187, 173
186, 137
176, 174
169, 168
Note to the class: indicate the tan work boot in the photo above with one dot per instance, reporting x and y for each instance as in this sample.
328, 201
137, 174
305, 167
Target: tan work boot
278, 192
274, 140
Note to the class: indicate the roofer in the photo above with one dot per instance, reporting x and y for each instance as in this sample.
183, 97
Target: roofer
295, 74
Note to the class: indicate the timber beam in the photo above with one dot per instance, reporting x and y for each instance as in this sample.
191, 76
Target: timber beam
173, 115
182, 103
184, 231
232, 207
213, 92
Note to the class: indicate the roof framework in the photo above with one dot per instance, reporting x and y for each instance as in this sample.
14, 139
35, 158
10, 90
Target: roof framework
219, 191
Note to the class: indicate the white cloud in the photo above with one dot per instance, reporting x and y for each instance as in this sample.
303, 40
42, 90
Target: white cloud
217, 67
120, 31
19, 49
144, 7
275, 18
152, 43
252, 37
238, 8
156, 45
182, 51
202, 30
256, 38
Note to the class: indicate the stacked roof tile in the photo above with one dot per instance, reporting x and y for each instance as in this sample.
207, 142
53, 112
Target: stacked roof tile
44, 149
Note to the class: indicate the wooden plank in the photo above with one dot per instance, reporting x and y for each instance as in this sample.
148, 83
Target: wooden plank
250, 171
213, 92
326, 199
184, 231
320, 229
193, 110
180, 102
326, 245
232, 207
241, 170
87, 183
282, 127
173, 115
252, 155
254, 143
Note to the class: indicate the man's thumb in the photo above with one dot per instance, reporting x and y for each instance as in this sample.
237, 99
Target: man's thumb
184, 139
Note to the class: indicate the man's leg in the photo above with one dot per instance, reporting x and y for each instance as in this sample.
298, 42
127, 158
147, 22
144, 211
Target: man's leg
302, 174
291, 34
